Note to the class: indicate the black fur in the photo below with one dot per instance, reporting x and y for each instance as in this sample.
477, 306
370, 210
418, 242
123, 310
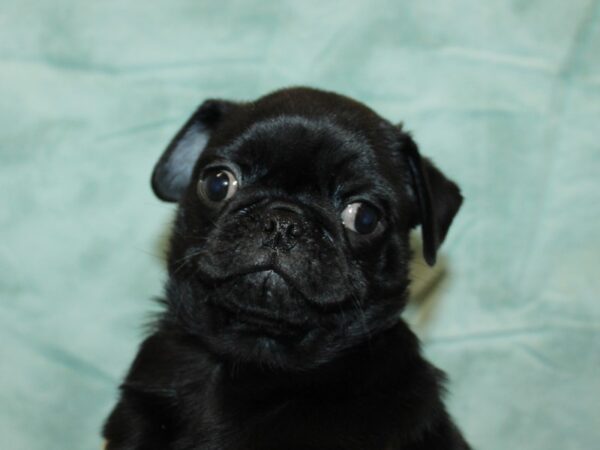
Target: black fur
281, 327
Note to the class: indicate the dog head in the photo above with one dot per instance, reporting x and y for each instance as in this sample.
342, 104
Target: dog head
290, 243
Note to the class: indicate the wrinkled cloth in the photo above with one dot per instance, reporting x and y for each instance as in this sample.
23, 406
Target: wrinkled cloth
503, 95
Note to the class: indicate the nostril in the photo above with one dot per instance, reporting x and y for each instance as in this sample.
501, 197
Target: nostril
269, 225
294, 230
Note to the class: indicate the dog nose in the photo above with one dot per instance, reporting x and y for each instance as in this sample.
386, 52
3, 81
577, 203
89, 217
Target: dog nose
282, 225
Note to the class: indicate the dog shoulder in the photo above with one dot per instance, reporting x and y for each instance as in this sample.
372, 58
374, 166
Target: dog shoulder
147, 413
164, 363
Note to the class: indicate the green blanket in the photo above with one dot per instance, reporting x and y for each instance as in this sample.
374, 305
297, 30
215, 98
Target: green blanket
503, 95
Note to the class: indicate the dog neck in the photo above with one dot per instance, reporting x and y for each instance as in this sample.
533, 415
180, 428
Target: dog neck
380, 361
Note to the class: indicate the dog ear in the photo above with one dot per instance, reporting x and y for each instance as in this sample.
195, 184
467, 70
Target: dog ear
173, 171
438, 198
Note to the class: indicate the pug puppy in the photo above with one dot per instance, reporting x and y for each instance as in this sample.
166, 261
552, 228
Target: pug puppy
288, 271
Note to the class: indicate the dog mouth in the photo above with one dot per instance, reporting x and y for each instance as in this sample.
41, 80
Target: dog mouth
270, 275
269, 306
261, 323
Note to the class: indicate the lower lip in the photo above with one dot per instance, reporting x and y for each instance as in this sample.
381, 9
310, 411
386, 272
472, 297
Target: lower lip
259, 322
264, 327
248, 321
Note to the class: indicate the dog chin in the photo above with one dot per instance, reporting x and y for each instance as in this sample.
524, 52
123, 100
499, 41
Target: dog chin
256, 317
253, 338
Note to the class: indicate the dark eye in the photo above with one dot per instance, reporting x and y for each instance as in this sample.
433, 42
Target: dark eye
360, 217
217, 185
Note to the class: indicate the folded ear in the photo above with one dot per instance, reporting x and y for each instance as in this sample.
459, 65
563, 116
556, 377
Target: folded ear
438, 198
173, 170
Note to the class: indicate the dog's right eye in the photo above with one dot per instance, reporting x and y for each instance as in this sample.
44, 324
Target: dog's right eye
217, 185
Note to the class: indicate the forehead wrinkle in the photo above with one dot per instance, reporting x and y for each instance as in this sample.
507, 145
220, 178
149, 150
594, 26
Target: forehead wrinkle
334, 154
324, 125
365, 176
320, 130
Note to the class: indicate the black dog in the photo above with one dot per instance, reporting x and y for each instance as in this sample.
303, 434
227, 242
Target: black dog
288, 270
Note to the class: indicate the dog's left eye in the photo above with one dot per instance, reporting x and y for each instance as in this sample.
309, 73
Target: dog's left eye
360, 217
217, 185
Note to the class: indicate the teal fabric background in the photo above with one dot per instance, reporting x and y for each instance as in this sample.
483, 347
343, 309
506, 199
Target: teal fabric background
503, 95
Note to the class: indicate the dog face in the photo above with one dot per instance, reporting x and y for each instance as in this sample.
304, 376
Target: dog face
291, 240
